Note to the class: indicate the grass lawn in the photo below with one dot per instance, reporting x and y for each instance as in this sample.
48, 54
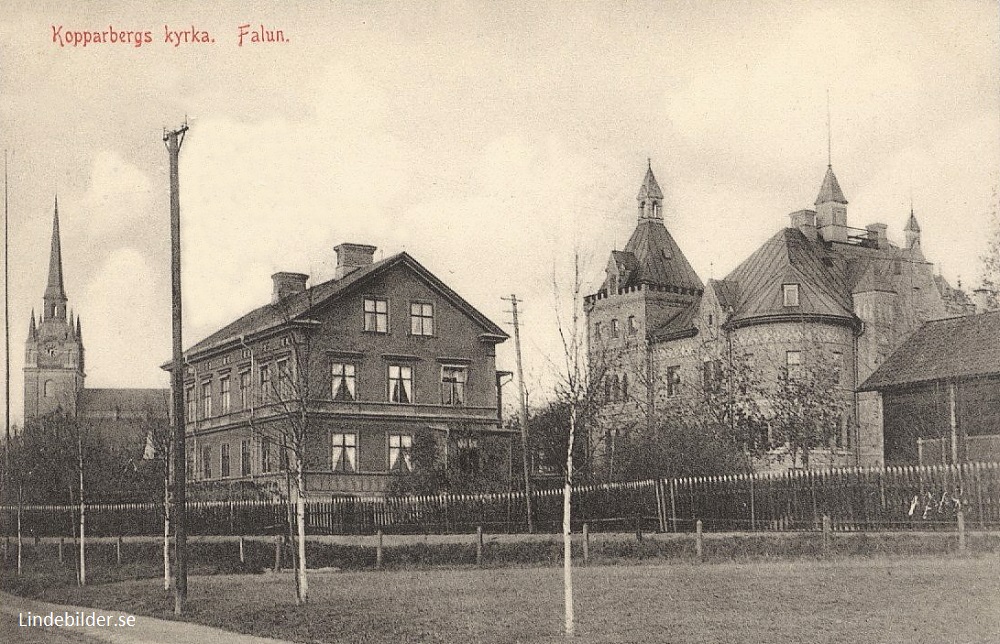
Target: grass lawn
917, 600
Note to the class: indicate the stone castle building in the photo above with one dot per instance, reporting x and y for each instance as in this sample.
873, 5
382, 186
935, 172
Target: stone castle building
54, 371
818, 294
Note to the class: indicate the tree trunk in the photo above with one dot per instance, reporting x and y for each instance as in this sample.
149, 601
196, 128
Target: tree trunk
300, 519
567, 541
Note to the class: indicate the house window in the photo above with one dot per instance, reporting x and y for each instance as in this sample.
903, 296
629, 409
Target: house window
245, 392
265, 383
343, 381
265, 455
790, 293
245, 457
345, 452
285, 388
192, 407
470, 460
633, 328
206, 462
376, 315
399, 452
673, 380
614, 328
224, 460
206, 399
400, 383
453, 385
421, 319
224, 395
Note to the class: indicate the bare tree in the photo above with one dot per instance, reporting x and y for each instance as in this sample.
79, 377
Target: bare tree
990, 259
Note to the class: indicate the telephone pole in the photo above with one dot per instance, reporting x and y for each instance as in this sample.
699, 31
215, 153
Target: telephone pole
173, 141
524, 413
6, 330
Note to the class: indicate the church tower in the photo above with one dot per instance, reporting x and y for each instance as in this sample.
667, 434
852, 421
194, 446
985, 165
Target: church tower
53, 365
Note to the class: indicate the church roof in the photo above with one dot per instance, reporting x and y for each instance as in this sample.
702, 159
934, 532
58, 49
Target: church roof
54, 288
911, 224
659, 260
789, 258
830, 190
650, 188
118, 403
952, 348
271, 316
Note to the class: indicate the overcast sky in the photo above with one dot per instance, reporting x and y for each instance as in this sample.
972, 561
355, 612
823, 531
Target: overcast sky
488, 140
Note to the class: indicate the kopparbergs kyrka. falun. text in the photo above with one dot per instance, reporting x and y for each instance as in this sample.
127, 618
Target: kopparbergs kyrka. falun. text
176, 37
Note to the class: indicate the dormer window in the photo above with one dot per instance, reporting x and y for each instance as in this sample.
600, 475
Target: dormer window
790, 293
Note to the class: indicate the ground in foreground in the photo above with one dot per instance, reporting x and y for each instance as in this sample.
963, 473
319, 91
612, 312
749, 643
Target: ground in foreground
912, 601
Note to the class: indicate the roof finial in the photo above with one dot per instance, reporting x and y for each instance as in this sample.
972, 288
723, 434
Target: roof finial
829, 136
649, 163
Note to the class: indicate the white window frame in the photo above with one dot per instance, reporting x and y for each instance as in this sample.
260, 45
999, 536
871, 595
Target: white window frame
225, 461
206, 462
246, 457
790, 295
422, 319
400, 445
224, 395
344, 452
449, 387
206, 398
399, 370
373, 316
344, 376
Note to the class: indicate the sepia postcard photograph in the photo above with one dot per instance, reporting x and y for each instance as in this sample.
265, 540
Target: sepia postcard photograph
359, 321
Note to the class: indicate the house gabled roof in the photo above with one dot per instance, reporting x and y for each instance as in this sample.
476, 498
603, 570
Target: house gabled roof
952, 348
659, 260
272, 316
789, 258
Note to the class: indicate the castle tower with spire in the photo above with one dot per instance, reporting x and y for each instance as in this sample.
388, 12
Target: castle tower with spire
53, 365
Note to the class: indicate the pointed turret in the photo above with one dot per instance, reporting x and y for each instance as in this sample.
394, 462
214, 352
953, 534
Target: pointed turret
79, 335
650, 196
55, 293
32, 329
831, 210
912, 231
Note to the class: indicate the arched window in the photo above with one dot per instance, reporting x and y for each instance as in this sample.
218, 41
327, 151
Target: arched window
625, 387
615, 388
607, 388
49, 389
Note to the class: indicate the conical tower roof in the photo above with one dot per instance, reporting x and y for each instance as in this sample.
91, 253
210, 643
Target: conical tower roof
649, 189
54, 290
911, 224
830, 190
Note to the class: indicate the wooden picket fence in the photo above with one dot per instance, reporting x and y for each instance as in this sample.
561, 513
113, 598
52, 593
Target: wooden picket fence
857, 499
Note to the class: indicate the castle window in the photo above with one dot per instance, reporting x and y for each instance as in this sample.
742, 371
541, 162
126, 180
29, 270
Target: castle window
376, 315
49, 389
614, 329
245, 457
345, 452
224, 395
673, 380
607, 388
793, 358
344, 381
615, 388
597, 330
224, 461
399, 452
838, 366
400, 383
712, 376
206, 399
625, 387
791, 294
897, 266
421, 319
633, 328
711, 319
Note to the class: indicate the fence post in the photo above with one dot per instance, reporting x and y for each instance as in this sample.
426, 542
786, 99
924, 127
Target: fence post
243, 558
638, 529
61, 539
961, 530
699, 545
378, 551
826, 534
118, 550
673, 504
479, 545
277, 553
586, 544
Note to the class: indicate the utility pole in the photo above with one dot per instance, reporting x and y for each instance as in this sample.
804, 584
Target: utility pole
524, 413
6, 335
173, 141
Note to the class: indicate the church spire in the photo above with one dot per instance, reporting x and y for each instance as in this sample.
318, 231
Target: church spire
55, 293
650, 196
32, 329
912, 230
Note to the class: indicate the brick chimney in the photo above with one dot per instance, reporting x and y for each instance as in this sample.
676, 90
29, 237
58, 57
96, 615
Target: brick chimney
804, 220
877, 232
351, 257
286, 284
